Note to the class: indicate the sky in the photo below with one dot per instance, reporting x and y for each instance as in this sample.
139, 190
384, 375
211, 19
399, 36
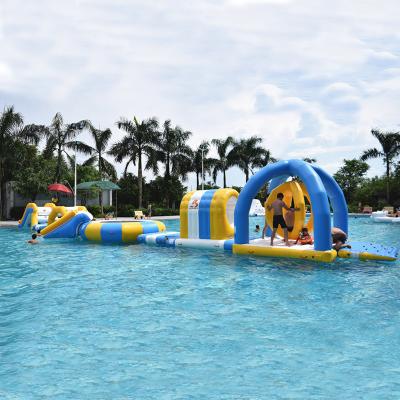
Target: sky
310, 77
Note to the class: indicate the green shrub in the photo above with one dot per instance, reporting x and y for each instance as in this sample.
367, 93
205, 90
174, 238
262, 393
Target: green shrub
164, 212
353, 208
109, 210
94, 210
129, 211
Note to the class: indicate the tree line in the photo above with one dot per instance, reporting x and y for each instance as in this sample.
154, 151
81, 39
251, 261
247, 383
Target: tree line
377, 191
147, 145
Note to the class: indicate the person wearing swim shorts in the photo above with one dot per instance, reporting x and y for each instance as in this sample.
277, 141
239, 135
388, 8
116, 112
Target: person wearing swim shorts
339, 239
278, 205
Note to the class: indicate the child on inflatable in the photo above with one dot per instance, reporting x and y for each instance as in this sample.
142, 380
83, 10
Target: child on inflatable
304, 237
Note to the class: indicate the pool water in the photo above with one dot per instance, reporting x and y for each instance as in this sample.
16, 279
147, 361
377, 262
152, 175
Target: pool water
87, 321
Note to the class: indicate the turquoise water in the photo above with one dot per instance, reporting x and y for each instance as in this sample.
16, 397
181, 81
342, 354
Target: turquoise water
85, 321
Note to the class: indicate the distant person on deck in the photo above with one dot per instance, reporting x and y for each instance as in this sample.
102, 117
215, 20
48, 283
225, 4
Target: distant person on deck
339, 239
33, 240
278, 205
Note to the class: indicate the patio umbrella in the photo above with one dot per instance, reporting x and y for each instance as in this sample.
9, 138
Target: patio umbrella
59, 188
101, 185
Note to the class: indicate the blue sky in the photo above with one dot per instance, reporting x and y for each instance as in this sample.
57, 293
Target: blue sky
310, 77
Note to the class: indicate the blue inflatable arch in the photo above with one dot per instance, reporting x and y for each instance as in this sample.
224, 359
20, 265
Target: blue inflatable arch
334, 192
319, 184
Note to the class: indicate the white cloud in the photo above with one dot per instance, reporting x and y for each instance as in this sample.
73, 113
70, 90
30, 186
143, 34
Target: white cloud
307, 76
339, 88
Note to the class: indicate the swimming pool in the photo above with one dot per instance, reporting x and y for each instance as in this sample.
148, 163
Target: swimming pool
87, 321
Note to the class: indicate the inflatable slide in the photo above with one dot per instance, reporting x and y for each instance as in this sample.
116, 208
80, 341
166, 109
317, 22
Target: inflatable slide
76, 222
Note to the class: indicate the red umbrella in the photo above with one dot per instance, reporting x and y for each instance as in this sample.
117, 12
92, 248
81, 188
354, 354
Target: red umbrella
58, 187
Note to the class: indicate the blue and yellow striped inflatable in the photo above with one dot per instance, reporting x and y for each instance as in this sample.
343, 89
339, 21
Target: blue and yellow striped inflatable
118, 232
208, 214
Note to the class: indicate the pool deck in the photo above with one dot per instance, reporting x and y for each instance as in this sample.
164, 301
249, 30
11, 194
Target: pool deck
8, 223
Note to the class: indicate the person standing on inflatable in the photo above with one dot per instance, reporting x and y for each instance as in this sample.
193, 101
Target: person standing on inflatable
278, 205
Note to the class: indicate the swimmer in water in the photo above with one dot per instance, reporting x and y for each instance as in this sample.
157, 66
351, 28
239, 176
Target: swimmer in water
33, 240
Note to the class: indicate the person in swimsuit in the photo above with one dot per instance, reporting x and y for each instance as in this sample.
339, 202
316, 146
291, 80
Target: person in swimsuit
289, 219
304, 237
33, 240
339, 239
278, 205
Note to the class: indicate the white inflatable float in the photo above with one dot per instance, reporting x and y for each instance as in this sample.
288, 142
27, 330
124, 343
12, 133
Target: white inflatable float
256, 208
383, 217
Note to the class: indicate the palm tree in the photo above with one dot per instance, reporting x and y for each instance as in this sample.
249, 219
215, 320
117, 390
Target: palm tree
247, 155
105, 168
225, 160
390, 149
142, 140
174, 153
12, 133
101, 139
60, 137
201, 162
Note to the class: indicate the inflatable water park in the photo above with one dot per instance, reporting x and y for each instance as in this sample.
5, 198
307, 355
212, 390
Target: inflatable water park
218, 219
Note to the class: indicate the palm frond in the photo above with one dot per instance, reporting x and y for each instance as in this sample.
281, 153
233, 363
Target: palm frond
123, 149
152, 160
91, 161
70, 160
79, 147
33, 133
10, 122
126, 125
103, 139
109, 169
127, 165
57, 122
371, 153
50, 147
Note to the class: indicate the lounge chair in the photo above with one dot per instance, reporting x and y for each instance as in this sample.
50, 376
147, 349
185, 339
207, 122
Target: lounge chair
390, 210
139, 215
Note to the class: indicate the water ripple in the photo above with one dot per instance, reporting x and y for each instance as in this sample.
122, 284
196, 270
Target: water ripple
86, 321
